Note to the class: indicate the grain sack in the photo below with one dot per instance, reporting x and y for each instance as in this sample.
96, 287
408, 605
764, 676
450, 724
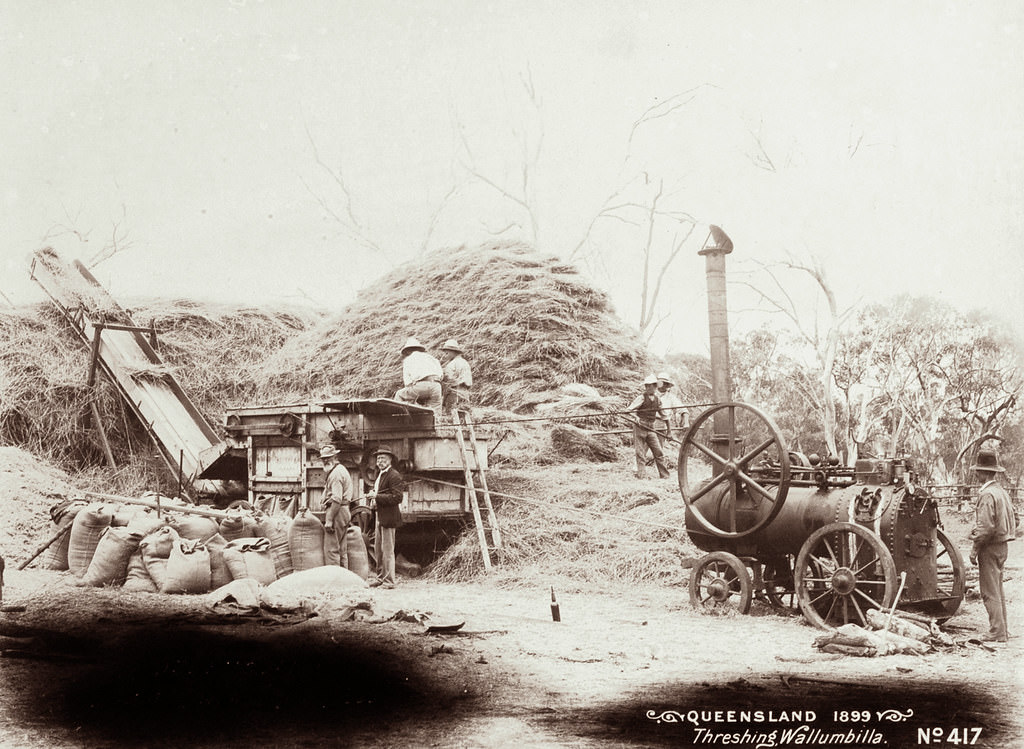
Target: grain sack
249, 558
109, 563
238, 526
306, 541
86, 529
275, 528
56, 556
145, 521
219, 572
156, 549
137, 578
355, 552
194, 527
188, 568
306, 586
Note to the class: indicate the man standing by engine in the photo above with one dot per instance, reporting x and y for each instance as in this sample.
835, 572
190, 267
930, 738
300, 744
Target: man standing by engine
385, 499
458, 378
994, 526
647, 410
421, 376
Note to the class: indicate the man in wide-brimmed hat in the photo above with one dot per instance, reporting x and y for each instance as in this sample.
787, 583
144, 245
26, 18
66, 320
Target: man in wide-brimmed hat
421, 376
647, 410
672, 408
458, 378
994, 526
385, 499
338, 491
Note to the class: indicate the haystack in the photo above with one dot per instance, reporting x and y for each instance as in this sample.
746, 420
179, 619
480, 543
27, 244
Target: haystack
528, 322
212, 350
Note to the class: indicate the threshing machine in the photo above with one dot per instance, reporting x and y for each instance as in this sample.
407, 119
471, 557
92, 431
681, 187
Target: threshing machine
798, 530
277, 451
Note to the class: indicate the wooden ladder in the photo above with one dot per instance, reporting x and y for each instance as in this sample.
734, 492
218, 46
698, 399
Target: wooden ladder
470, 452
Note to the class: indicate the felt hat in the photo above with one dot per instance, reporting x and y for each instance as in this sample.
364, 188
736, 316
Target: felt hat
651, 380
329, 451
413, 345
663, 377
987, 460
452, 345
384, 450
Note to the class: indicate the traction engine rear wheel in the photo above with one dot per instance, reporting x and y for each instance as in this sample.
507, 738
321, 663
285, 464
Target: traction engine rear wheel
949, 563
720, 582
843, 570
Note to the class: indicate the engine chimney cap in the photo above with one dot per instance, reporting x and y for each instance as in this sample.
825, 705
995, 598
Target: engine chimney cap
717, 241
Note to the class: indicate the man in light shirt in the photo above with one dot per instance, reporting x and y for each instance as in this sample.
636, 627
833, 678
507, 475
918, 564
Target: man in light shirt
995, 525
421, 376
458, 378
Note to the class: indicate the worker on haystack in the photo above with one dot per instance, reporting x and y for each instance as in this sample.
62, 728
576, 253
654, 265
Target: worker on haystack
385, 500
421, 376
647, 408
458, 378
338, 491
995, 525
672, 429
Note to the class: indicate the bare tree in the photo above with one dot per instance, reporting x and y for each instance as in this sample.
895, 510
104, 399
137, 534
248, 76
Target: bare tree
518, 188
118, 241
823, 339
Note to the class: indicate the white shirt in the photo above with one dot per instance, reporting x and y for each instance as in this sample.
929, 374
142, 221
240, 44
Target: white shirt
418, 366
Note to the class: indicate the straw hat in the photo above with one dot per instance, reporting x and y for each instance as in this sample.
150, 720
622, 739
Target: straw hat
328, 451
413, 345
987, 461
663, 377
451, 345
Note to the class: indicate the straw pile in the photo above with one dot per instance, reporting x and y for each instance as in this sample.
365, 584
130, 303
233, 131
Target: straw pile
218, 352
212, 350
528, 323
582, 529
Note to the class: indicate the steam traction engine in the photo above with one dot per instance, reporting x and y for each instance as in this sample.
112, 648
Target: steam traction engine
797, 530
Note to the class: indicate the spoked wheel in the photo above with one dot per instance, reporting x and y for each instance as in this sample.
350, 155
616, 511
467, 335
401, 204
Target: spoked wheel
779, 587
720, 582
733, 470
949, 564
843, 570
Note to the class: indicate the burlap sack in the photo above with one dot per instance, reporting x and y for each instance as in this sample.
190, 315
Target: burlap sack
56, 556
109, 564
306, 541
355, 552
220, 573
250, 558
275, 528
194, 527
137, 577
156, 549
86, 529
188, 568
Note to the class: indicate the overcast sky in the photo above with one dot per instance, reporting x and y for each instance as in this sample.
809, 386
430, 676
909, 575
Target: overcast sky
883, 139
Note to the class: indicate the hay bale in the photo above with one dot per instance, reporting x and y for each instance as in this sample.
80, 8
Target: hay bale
528, 321
576, 444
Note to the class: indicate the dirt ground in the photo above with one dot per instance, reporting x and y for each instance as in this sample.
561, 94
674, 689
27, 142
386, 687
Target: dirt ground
100, 667
627, 665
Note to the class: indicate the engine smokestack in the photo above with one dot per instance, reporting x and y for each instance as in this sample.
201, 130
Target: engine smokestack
715, 248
